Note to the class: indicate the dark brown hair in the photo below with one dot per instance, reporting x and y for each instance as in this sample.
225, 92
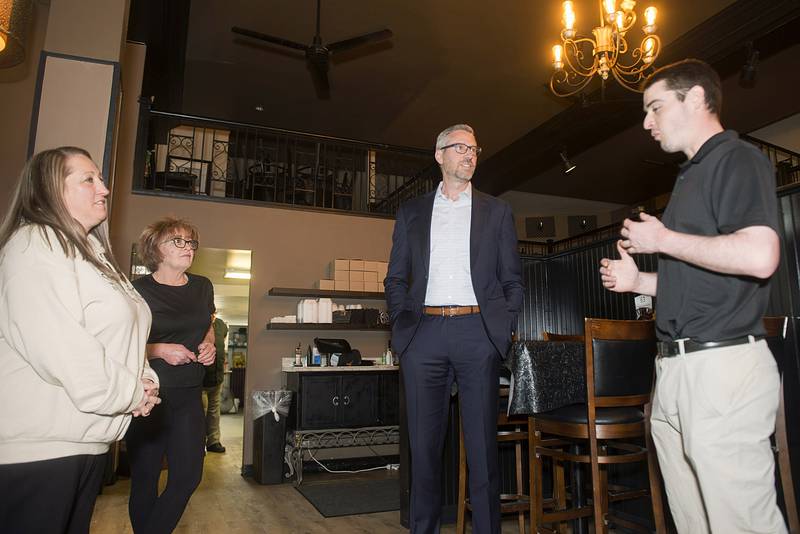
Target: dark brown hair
158, 232
683, 75
38, 199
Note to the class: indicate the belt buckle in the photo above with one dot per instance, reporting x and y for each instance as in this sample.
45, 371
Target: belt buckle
451, 311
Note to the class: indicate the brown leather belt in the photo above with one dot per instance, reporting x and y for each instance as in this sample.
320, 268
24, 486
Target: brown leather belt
668, 349
451, 311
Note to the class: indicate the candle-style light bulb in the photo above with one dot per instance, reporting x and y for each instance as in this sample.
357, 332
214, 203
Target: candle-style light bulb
648, 45
558, 52
650, 15
569, 15
620, 20
610, 5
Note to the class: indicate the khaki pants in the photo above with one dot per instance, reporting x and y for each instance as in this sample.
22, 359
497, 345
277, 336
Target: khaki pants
713, 414
211, 401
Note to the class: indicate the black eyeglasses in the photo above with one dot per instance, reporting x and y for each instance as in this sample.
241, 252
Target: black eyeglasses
461, 148
181, 242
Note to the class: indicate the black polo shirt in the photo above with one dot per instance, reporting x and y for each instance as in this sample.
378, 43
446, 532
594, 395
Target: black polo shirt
728, 185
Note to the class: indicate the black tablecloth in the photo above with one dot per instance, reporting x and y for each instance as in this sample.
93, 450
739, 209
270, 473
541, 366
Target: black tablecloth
545, 375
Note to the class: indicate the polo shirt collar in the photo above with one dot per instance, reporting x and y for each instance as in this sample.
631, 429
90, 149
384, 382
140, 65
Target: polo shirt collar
711, 143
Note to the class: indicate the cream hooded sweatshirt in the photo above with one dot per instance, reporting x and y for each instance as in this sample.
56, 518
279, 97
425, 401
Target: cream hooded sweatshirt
72, 351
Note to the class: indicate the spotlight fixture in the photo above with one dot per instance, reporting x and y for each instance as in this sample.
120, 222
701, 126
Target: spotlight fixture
749, 72
568, 165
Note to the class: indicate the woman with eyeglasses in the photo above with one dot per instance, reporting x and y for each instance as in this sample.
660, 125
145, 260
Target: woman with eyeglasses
72, 346
180, 345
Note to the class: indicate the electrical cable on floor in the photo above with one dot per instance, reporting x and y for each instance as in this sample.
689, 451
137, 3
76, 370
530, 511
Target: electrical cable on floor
311, 454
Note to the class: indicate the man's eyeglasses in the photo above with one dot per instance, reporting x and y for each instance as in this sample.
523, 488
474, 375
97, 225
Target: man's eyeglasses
461, 148
181, 242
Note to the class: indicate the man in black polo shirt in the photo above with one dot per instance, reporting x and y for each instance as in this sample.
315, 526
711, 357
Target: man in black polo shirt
717, 387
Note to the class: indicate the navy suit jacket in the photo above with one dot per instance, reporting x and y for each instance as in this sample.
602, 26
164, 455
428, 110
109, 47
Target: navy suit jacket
494, 265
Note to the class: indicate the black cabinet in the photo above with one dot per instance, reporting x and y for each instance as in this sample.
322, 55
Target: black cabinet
346, 399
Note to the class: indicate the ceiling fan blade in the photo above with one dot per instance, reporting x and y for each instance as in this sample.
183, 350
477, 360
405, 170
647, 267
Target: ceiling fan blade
268, 38
319, 75
368, 38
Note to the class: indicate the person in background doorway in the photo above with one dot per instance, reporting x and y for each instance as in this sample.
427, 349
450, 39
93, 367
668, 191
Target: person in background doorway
212, 388
180, 346
72, 346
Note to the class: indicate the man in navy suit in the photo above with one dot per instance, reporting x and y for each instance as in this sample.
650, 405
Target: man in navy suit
454, 290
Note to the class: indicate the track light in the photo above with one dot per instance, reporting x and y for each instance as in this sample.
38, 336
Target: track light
568, 165
749, 72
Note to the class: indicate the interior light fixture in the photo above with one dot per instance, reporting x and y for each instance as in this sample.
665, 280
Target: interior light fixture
15, 20
568, 165
749, 72
578, 59
239, 275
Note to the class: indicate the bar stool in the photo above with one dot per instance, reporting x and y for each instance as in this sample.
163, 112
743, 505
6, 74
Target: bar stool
619, 370
509, 428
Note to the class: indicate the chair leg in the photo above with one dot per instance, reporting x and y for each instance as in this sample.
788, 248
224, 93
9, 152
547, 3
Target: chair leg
597, 487
534, 478
785, 468
559, 491
518, 461
462, 484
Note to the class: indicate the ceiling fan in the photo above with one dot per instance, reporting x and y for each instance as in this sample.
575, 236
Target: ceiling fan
318, 54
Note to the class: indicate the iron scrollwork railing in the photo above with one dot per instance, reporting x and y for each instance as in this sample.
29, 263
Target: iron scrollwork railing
300, 440
229, 161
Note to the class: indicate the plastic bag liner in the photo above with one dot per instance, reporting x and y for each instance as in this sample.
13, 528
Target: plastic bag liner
278, 402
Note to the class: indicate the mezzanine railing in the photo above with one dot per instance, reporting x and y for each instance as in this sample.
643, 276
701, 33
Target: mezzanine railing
230, 161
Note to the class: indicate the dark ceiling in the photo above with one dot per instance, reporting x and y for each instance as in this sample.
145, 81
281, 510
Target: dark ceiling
468, 61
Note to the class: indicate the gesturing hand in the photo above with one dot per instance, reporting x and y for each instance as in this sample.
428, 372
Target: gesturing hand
620, 275
642, 237
206, 353
176, 354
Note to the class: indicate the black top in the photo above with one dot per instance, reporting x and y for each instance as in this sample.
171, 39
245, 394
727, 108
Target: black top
181, 314
728, 185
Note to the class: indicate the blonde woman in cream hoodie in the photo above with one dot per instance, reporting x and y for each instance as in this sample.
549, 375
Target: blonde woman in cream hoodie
72, 346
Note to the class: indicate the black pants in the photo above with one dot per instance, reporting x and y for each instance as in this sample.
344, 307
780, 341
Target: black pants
445, 349
50, 495
175, 428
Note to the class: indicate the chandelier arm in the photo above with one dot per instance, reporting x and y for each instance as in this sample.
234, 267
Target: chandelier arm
630, 20
577, 88
577, 65
620, 49
638, 53
629, 85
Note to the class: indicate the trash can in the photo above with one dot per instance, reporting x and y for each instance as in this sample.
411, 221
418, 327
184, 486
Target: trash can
270, 409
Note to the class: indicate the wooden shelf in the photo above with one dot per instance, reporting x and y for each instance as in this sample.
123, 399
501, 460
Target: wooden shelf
324, 326
312, 293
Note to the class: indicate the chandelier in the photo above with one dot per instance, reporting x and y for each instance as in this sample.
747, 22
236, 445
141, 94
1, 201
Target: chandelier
577, 59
